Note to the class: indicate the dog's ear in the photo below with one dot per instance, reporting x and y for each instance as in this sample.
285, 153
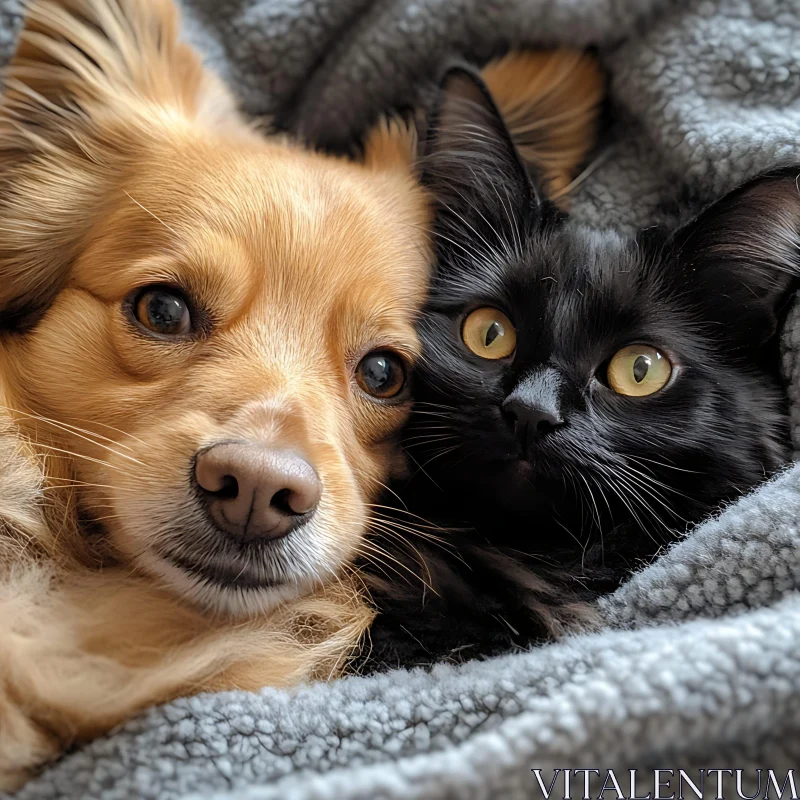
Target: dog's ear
551, 102
741, 255
91, 87
482, 190
392, 145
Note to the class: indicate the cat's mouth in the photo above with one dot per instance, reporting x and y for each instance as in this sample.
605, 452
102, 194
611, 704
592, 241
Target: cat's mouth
545, 457
532, 466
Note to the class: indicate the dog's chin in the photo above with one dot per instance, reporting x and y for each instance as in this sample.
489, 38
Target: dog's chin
241, 579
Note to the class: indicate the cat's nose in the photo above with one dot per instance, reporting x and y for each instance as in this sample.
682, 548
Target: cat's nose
531, 423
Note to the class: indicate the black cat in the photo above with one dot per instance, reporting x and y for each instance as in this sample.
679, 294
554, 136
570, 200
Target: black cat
582, 398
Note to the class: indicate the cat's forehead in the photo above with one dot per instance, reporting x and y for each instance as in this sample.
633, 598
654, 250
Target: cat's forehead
562, 270
579, 257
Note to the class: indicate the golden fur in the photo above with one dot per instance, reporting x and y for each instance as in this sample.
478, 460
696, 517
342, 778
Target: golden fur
550, 100
123, 162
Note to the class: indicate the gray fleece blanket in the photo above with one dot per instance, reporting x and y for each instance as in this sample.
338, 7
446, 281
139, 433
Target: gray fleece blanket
699, 666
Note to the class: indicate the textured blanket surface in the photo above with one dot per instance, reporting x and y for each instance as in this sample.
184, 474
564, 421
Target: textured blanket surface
700, 664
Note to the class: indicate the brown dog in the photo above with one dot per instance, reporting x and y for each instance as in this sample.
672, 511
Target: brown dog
205, 340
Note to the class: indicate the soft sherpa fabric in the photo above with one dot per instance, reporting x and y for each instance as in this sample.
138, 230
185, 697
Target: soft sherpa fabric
700, 665
717, 692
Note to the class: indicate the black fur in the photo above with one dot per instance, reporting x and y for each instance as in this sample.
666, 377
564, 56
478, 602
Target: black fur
598, 496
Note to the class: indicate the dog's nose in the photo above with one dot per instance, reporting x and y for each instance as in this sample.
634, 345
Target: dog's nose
255, 492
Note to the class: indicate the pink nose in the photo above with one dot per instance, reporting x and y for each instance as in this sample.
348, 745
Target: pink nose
252, 491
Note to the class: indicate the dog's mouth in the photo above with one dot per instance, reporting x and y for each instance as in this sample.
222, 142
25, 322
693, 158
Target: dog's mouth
250, 576
236, 576
248, 528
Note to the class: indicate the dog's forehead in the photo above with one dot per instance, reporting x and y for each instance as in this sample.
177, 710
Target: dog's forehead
352, 236
301, 217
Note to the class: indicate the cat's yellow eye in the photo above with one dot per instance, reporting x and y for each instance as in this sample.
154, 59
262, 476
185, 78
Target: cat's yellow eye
489, 333
638, 370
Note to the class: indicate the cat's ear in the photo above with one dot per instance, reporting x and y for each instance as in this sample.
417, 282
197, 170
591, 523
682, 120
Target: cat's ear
742, 254
471, 166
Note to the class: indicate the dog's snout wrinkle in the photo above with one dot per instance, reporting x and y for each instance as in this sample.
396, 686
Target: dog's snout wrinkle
255, 492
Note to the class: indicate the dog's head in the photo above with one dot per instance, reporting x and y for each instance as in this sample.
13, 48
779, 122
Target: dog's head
208, 331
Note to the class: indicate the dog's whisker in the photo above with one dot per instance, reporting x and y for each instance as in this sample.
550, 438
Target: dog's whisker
426, 523
439, 455
405, 542
75, 431
69, 484
428, 440
418, 532
111, 428
65, 426
148, 211
392, 492
368, 547
405, 534
110, 449
69, 454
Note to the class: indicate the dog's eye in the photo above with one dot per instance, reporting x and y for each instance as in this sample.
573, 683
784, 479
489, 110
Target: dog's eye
381, 374
163, 311
489, 333
638, 370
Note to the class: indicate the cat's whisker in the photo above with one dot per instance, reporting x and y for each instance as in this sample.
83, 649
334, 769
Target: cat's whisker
500, 240
428, 430
422, 470
594, 503
638, 459
439, 235
631, 489
428, 441
515, 231
663, 464
582, 545
635, 488
579, 488
442, 406
650, 484
626, 501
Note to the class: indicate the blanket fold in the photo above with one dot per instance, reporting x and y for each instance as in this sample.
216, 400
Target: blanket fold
719, 687
699, 666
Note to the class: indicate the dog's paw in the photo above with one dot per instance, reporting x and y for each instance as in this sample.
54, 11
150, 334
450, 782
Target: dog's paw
26, 740
25, 745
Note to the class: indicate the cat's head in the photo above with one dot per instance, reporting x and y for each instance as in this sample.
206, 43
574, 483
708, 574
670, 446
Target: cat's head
571, 377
